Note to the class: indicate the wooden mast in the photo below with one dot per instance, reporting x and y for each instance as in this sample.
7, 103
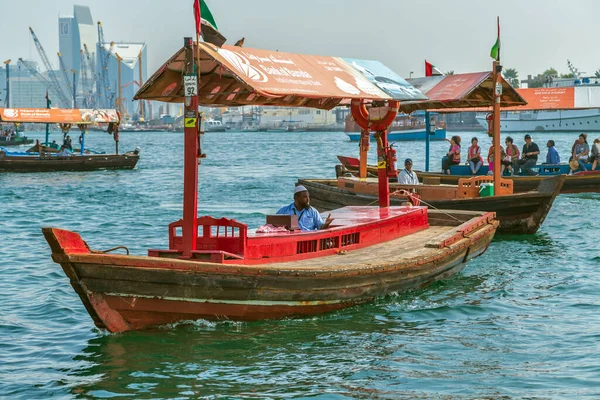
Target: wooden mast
496, 113
190, 157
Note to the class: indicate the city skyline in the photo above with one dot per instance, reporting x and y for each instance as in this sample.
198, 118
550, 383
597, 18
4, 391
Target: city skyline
454, 36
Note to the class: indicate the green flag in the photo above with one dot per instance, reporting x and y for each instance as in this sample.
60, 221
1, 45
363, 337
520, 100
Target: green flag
207, 15
495, 52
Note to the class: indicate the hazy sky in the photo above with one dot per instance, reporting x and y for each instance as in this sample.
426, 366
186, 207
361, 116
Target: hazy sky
453, 34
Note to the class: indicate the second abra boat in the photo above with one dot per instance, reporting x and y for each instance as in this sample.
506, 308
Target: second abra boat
81, 160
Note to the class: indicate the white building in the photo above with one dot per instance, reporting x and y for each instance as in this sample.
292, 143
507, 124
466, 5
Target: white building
133, 69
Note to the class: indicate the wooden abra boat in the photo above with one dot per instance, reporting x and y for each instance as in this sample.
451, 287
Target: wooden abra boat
75, 162
218, 269
44, 158
521, 213
369, 253
579, 182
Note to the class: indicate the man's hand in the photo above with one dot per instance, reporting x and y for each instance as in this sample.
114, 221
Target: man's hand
328, 221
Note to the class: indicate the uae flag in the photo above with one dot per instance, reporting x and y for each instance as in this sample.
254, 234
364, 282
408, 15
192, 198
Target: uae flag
431, 70
206, 25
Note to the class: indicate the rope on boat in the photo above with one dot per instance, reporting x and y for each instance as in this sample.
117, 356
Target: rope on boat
404, 192
110, 250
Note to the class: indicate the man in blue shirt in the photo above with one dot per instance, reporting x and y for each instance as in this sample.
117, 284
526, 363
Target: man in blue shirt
309, 218
552, 157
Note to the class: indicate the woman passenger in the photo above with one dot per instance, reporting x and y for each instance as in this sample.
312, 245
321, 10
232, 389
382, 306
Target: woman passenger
512, 154
581, 151
475, 161
453, 155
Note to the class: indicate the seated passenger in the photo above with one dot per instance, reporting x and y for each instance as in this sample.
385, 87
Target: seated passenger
490, 159
475, 161
512, 154
529, 157
595, 157
309, 218
407, 176
552, 157
580, 152
63, 152
453, 155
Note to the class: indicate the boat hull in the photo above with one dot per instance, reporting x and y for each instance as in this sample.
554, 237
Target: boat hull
405, 135
517, 213
124, 293
577, 183
15, 142
72, 163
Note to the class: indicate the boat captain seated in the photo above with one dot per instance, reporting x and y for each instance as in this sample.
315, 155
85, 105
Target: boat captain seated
407, 176
63, 152
309, 218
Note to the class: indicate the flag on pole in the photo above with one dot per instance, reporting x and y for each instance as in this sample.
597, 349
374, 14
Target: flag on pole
431, 70
48, 101
495, 52
206, 25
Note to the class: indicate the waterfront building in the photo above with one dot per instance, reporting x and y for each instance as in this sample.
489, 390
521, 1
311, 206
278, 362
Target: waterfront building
132, 57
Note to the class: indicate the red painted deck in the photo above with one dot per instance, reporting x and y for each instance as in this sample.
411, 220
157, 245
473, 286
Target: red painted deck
228, 241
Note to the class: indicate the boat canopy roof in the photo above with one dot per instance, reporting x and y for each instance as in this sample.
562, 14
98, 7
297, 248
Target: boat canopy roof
58, 115
236, 76
460, 91
562, 98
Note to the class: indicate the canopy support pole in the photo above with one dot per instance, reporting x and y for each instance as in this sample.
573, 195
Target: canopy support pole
427, 139
363, 145
497, 69
382, 171
190, 159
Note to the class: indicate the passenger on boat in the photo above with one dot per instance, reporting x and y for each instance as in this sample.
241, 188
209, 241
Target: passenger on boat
475, 161
512, 154
68, 143
528, 158
490, 159
580, 152
54, 145
309, 218
407, 176
595, 157
453, 155
552, 157
63, 152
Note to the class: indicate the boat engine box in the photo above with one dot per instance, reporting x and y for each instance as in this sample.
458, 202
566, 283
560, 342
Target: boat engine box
486, 190
290, 222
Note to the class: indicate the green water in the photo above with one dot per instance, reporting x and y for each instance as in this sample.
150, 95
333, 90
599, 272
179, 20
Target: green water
522, 321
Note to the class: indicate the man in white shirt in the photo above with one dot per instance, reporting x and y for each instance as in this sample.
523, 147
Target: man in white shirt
407, 176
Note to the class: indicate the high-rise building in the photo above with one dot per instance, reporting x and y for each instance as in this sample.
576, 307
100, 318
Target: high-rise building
73, 33
2, 85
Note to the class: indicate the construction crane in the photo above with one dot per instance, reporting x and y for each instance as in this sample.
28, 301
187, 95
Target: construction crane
574, 71
66, 76
33, 71
93, 83
53, 79
84, 78
104, 87
6, 101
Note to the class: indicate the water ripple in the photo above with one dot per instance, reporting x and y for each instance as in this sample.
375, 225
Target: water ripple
520, 322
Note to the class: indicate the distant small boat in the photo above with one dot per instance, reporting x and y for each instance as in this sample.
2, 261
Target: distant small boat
404, 128
17, 140
211, 125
